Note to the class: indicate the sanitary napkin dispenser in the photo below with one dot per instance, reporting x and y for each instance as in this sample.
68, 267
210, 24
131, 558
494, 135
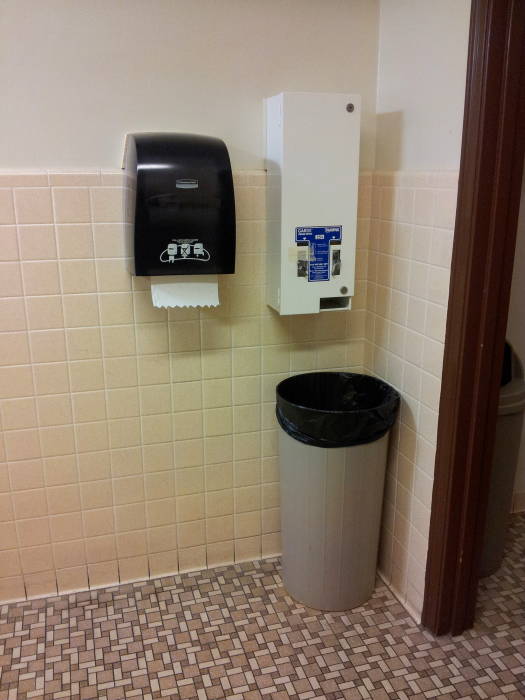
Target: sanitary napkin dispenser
182, 206
312, 158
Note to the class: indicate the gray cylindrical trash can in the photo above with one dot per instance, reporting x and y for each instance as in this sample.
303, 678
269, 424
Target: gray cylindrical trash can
333, 442
504, 462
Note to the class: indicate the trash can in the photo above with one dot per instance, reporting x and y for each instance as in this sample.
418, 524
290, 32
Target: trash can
333, 449
504, 462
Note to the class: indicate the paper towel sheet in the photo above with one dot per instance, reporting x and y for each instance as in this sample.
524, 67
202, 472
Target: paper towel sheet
184, 290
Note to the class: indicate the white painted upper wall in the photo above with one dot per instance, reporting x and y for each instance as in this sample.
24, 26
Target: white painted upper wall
78, 75
421, 83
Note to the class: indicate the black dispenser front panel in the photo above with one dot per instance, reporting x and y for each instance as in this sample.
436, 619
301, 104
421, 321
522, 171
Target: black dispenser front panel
184, 207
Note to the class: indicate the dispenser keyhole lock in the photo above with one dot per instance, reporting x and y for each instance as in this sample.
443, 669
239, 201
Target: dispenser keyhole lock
350, 107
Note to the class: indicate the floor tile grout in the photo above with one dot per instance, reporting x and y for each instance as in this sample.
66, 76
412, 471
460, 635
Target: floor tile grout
233, 632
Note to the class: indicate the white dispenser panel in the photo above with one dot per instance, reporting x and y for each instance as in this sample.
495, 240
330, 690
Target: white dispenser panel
312, 142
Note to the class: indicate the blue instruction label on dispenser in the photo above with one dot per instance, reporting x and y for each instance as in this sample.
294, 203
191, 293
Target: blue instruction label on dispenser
318, 239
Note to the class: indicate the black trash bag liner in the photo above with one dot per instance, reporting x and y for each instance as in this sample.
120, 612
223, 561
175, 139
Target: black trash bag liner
506, 370
336, 409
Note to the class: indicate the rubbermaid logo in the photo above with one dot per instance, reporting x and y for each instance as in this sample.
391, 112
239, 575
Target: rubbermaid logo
186, 183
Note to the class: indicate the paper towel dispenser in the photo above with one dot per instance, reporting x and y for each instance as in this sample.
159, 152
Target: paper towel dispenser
182, 204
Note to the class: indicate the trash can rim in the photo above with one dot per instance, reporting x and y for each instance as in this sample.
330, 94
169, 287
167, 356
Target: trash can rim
346, 412
392, 398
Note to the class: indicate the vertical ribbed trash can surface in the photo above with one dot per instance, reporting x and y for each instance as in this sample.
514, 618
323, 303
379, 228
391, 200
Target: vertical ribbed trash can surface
333, 446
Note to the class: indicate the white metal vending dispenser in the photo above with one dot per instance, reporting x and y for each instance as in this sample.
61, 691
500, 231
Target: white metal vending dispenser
312, 158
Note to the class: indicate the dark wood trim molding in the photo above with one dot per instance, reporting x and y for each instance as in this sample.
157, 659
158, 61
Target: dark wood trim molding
484, 241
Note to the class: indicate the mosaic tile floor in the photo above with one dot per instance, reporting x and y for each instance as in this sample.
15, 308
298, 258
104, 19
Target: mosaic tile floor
234, 633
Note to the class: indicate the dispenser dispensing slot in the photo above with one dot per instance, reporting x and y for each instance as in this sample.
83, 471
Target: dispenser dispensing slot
334, 303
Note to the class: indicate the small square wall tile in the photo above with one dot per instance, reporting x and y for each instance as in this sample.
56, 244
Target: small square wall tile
86, 375
129, 518
220, 553
14, 349
133, 569
247, 548
124, 432
219, 529
12, 589
69, 553
22, 444
51, 378
10, 279
63, 499
80, 310
103, 574
18, 413
34, 206
101, 549
78, 276
37, 242
72, 579
190, 425
107, 204
94, 465
26, 475
12, 314
113, 275
219, 502
41, 278
191, 534
38, 559
33, 532
60, 470
54, 410
10, 563
7, 512
74, 241
31, 503
247, 524
152, 338
192, 559
160, 513
116, 308
96, 494
110, 240
163, 563
71, 205
120, 372
7, 207
118, 340
126, 461
84, 343
271, 544
9, 250
45, 312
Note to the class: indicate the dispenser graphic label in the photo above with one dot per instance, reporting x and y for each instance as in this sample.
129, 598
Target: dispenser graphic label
318, 239
184, 249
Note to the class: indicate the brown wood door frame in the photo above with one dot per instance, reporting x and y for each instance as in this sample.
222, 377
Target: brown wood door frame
483, 254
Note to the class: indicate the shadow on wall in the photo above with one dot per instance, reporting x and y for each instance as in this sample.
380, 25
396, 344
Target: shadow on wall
389, 139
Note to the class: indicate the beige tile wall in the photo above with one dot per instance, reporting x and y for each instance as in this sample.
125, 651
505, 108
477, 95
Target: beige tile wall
137, 442
411, 230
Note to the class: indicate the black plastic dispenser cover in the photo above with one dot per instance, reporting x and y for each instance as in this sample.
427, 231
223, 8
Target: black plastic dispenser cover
336, 409
183, 208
